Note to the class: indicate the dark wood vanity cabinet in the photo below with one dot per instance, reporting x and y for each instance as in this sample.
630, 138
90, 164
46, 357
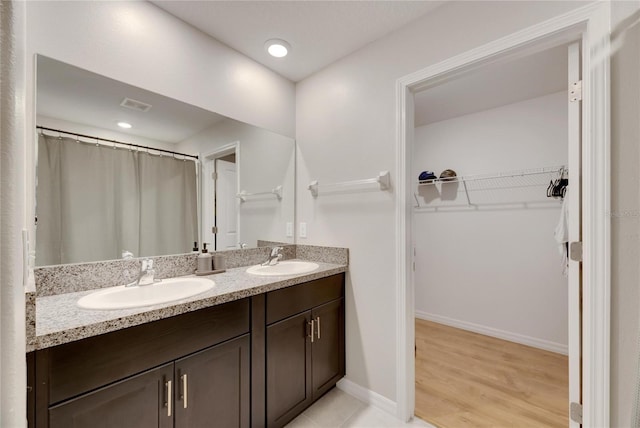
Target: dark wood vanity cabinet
213, 386
141, 401
288, 369
327, 350
252, 362
304, 346
186, 371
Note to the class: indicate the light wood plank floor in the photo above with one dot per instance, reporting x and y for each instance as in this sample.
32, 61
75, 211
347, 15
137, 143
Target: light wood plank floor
465, 379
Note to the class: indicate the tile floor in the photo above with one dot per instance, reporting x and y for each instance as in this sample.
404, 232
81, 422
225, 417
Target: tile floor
337, 409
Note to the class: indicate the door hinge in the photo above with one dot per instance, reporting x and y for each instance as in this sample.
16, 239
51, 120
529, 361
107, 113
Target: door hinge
575, 411
575, 91
214, 175
575, 251
414, 259
214, 229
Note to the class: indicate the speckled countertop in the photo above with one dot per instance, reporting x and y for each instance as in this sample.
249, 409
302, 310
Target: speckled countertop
59, 320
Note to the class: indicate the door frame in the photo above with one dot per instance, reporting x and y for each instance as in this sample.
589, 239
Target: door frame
591, 25
207, 205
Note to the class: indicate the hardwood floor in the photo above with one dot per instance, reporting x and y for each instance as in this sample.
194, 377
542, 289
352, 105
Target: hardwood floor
465, 379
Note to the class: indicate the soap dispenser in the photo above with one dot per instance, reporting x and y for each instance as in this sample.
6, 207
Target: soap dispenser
204, 260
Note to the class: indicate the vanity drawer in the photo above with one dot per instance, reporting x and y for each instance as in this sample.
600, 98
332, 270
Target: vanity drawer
298, 298
77, 367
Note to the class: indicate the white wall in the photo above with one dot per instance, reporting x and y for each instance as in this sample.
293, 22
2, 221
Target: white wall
346, 129
12, 185
497, 269
140, 44
345, 126
266, 161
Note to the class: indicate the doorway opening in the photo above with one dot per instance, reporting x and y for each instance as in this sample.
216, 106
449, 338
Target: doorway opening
589, 26
491, 279
220, 206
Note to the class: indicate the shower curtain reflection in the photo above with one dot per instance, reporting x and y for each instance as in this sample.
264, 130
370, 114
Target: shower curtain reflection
94, 201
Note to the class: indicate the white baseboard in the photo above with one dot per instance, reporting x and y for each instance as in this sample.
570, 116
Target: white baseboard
366, 395
547, 345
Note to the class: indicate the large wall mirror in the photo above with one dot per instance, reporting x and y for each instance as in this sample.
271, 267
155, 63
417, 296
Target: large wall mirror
177, 175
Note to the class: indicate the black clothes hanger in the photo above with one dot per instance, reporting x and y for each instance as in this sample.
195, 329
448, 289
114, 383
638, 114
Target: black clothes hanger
558, 187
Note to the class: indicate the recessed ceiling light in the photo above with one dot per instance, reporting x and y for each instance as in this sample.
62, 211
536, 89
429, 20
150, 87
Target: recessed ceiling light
277, 48
124, 125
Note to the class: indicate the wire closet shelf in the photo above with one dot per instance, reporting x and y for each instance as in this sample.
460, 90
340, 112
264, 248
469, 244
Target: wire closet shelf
526, 178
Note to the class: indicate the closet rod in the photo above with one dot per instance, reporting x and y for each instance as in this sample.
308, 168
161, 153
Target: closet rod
511, 174
115, 141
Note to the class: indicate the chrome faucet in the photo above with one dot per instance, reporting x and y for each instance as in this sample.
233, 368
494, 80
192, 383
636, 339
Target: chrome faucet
146, 275
276, 254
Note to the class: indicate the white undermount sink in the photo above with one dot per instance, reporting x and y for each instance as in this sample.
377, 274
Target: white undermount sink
167, 290
287, 267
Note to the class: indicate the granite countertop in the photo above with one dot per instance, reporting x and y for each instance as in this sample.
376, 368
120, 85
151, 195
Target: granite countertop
59, 320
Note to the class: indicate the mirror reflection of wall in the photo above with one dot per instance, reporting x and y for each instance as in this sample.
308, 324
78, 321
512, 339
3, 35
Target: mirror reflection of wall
264, 161
100, 201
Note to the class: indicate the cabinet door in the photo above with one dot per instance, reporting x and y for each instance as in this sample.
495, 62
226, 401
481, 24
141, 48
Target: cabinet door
141, 401
288, 369
213, 387
327, 353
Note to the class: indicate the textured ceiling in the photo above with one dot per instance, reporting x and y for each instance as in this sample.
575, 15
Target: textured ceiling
319, 32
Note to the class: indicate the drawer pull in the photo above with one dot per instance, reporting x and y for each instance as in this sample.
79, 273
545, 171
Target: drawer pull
184, 388
312, 333
318, 322
169, 398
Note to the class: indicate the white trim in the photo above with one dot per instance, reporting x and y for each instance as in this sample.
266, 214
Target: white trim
596, 226
574, 227
591, 23
208, 166
367, 396
534, 342
405, 358
222, 151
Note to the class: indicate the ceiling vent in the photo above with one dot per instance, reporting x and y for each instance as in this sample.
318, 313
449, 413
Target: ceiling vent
135, 105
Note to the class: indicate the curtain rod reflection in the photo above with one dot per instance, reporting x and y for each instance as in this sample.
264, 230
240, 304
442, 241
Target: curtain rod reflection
43, 128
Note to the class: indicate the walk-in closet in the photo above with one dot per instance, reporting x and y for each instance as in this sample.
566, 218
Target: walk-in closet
491, 162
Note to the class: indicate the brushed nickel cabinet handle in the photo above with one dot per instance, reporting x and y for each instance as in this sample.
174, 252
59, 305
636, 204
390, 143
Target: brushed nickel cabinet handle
318, 322
169, 398
185, 389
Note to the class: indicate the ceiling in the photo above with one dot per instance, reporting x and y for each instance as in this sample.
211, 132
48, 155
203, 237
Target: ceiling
327, 30
319, 32
80, 96
493, 86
